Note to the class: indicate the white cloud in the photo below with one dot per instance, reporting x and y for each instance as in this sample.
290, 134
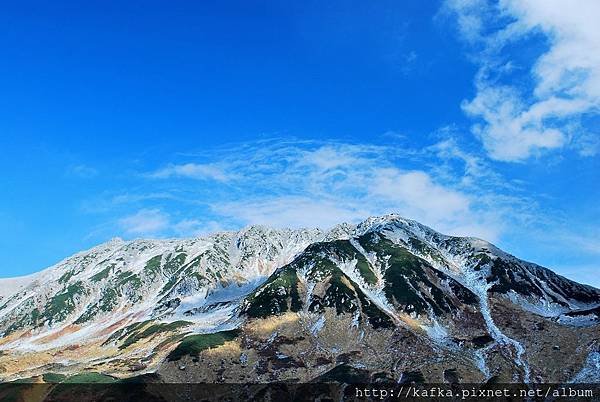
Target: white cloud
516, 123
320, 186
145, 222
293, 211
192, 171
508, 133
416, 191
474, 166
330, 157
302, 184
188, 227
587, 144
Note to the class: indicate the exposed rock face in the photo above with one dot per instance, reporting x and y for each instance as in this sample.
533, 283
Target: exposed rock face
386, 300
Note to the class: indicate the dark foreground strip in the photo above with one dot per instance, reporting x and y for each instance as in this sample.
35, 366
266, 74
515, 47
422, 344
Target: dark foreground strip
161, 392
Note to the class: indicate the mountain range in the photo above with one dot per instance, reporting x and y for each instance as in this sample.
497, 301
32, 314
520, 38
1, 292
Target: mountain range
388, 299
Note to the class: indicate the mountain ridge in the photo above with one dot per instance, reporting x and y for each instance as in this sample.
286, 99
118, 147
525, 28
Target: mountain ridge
126, 305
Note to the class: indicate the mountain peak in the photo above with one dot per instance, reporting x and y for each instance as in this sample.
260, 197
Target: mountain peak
394, 223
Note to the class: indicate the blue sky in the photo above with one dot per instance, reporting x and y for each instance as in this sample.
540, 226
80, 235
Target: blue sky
148, 119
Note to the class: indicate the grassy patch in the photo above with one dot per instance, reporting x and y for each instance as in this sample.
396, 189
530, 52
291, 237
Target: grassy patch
66, 276
30, 380
53, 377
345, 374
278, 295
173, 264
194, 344
123, 332
63, 304
376, 317
106, 303
90, 378
152, 267
339, 295
30, 319
151, 331
103, 274
507, 277
170, 283
129, 284
108, 300
405, 276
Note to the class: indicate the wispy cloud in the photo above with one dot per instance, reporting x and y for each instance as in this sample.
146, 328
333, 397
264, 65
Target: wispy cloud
291, 211
192, 171
515, 123
324, 184
287, 183
145, 222
107, 202
155, 222
470, 170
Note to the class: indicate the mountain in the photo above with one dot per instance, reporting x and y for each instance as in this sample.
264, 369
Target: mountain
386, 300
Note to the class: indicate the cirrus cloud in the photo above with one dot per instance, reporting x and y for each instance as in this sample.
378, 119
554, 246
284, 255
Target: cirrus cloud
320, 185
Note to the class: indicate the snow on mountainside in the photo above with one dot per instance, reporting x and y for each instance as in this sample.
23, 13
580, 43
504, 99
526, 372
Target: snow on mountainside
402, 287
11, 286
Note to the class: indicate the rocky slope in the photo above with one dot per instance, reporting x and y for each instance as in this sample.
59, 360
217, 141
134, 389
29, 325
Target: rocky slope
386, 300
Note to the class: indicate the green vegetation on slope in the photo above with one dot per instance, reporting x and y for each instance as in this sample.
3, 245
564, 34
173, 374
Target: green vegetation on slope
53, 377
194, 344
61, 305
103, 274
152, 268
278, 295
407, 282
152, 330
90, 378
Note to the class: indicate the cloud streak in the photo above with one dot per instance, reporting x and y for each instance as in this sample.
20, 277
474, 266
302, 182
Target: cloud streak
191, 171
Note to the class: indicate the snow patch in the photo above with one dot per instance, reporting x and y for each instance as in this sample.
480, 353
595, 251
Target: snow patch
318, 326
436, 331
590, 372
587, 320
542, 307
481, 363
355, 319
10, 286
375, 293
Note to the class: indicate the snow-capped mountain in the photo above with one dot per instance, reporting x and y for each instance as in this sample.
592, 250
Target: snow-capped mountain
388, 298
118, 283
